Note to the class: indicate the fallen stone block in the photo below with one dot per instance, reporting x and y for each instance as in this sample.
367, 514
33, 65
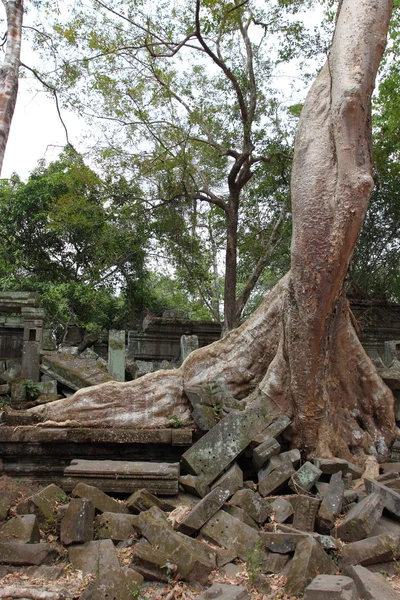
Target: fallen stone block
101, 502
331, 587
203, 511
274, 563
305, 512
115, 527
150, 562
239, 513
45, 572
221, 445
231, 480
377, 549
204, 417
224, 591
349, 497
291, 458
227, 531
253, 504
271, 483
118, 584
329, 466
354, 470
385, 525
331, 504
361, 519
282, 542
272, 430
194, 485
93, 558
225, 556
77, 524
390, 498
143, 500
305, 478
263, 452
13, 553
371, 586
281, 510
44, 503
309, 560
194, 560
23, 529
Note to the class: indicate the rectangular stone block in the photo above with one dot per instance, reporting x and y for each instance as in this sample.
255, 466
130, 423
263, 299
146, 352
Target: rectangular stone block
115, 527
281, 542
101, 501
225, 530
13, 553
264, 451
331, 587
305, 512
361, 519
331, 504
219, 447
204, 510
377, 549
231, 480
305, 478
77, 524
116, 354
272, 482
371, 586
390, 498
308, 561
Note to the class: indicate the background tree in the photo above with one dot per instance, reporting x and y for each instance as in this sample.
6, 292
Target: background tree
188, 103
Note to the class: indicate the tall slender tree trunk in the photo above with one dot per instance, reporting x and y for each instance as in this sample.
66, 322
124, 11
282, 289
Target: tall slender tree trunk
9, 70
298, 352
230, 321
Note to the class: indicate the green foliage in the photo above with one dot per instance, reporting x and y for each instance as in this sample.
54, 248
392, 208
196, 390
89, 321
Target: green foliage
255, 560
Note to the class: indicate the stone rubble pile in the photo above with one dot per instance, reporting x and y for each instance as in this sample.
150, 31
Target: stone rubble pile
306, 522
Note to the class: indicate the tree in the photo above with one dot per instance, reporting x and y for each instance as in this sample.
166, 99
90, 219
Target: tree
299, 347
9, 71
188, 89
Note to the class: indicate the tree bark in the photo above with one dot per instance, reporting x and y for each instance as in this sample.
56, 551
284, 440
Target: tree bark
299, 351
9, 70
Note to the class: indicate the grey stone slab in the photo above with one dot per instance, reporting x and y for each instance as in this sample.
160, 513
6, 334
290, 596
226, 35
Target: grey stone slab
114, 526
231, 480
329, 466
354, 470
224, 591
13, 553
385, 525
371, 586
309, 560
274, 563
390, 498
331, 504
150, 562
142, 500
281, 510
22, 528
204, 510
101, 501
274, 429
204, 417
118, 584
282, 542
305, 478
272, 482
377, 549
77, 524
227, 531
252, 503
194, 560
263, 452
44, 503
331, 587
240, 514
361, 519
94, 557
291, 458
194, 485
305, 512
219, 447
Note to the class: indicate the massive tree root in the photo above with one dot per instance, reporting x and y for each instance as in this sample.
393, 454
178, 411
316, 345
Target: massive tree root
299, 351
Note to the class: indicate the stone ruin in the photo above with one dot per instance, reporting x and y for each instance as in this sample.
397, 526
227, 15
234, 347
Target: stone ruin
223, 509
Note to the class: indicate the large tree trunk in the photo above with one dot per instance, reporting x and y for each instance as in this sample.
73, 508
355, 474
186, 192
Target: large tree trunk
299, 348
9, 70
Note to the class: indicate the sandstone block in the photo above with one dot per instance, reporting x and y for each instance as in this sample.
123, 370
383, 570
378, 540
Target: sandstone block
377, 549
274, 563
118, 583
390, 498
271, 483
22, 529
331, 587
194, 485
239, 513
371, 586
225, 591
143, 500
77, 524
305, 478
361, 519
227, 531
204, 510
252, 503
282, 542
114, 526
329, 466
308, 561
305, 512
331, 504
101, 501
44, 503
263, 452
281, 510
231, 480
13, 553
